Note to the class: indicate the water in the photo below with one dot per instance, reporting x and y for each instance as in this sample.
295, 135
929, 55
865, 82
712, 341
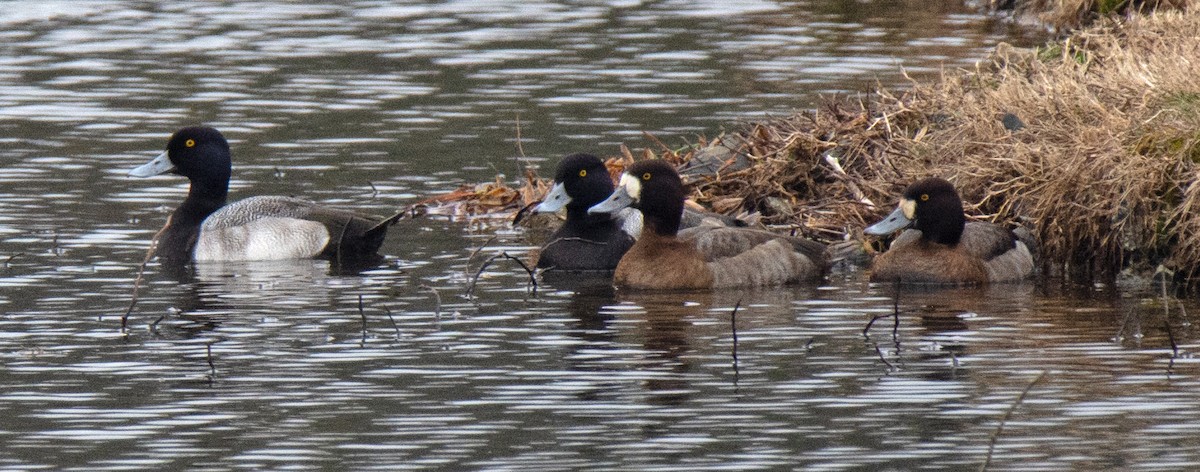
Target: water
373, 106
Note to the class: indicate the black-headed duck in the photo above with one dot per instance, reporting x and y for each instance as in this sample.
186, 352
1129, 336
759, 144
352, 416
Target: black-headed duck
205, 228
704, 257
941, 247
585, 242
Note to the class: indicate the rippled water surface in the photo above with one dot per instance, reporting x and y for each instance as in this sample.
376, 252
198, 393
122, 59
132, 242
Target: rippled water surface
373, 106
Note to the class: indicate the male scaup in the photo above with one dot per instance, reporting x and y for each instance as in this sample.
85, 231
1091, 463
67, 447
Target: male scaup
585, 242
704, 257
204, 228
941, 247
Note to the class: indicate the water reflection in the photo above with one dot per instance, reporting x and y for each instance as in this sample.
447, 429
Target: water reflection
371, 105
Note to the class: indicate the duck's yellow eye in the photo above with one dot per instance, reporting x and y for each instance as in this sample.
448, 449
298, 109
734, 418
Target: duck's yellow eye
646, 176
924, 197
583, 172
190, 143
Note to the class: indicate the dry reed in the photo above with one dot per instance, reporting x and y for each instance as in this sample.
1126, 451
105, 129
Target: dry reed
1067, 15
1091, 142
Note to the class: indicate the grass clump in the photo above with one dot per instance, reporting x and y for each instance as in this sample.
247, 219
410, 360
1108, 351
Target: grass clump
1092, 144
1067, 15
1093, 148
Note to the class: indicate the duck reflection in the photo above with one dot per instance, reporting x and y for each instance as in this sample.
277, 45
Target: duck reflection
663, 326
943, 316
207, 294
674, 333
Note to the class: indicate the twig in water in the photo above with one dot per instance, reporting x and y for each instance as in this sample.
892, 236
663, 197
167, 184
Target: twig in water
1171, 338
467, 268
733, 327
363, 315
895, 315
154, 325
475, 279
212, 368
8, 261
394, 325
877, 318
520, 148
1008, 414
883, 358
1167, 324
137, 282
374, 191
437, 310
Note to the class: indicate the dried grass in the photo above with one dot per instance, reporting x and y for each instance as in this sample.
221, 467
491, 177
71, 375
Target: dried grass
1069, 15
1103, 171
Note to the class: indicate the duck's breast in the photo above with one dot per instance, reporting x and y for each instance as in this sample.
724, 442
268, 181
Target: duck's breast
920, 262
662, 263
598, 250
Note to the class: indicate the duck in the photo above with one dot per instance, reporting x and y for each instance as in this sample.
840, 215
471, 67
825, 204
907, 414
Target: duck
585, 242
939, 247
205, 227
702, 257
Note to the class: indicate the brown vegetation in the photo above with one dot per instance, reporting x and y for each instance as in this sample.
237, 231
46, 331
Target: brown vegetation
1068, 15
1092, 143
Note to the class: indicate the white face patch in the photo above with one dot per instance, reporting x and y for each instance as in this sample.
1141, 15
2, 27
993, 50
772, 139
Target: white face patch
632, 186
909, 207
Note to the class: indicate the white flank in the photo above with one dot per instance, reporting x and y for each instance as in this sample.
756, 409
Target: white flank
264, 239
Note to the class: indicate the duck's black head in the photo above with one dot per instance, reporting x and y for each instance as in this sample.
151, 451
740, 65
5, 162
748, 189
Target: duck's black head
199, 153
654, 188
580, 181
931, 206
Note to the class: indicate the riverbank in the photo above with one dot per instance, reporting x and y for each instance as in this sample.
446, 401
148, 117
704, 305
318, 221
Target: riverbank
1070, 15
1090, 142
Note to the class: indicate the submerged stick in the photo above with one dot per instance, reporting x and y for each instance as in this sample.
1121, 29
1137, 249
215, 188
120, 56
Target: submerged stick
883, 358
363, 315
733, 327
395, 326
467, 268
895, 315
1171, 338
437, 310
137, 282
506, 255
520, 148
212, 368
1007, 415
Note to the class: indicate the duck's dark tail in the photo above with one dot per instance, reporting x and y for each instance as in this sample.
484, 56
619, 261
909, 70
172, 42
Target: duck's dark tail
380, 229
382, 226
